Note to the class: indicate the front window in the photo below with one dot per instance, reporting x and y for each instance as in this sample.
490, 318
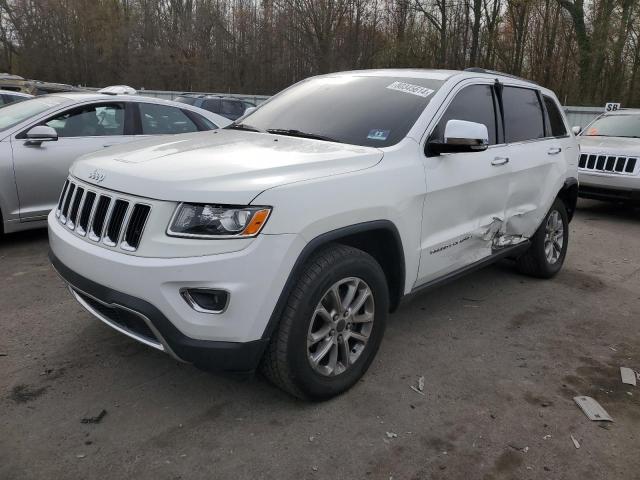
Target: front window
16, 113
360, 110
621, 125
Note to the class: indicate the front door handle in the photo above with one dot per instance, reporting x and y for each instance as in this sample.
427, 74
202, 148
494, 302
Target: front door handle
554, 151
499, 161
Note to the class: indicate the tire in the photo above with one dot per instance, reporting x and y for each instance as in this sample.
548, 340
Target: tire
287, 361
535, 261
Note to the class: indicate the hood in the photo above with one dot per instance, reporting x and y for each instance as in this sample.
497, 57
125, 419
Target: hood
222, 166
610, 145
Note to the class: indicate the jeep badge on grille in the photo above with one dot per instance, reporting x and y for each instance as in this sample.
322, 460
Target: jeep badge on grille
96, 175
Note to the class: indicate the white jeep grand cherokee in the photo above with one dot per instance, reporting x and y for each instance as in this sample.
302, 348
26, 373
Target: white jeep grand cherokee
285, 240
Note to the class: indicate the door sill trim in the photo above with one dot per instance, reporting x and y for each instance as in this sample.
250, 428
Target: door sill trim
512, 250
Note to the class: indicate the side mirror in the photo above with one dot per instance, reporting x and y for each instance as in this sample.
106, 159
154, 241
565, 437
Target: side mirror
42, 133
249, 110
462, 136
576, 129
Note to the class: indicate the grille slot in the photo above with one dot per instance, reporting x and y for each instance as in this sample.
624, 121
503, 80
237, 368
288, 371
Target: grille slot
75, 206
608, 163
137, 222
85, 214
115, 222
64, 191
100, 216
67, 201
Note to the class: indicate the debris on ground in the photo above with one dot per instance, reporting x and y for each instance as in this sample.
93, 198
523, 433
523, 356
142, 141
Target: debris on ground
592, 409
2, 354
575, 442
519, 448
546, 437
312, 438
392, 435
628, 376
97, 419
80, 455
419, 387
314, 468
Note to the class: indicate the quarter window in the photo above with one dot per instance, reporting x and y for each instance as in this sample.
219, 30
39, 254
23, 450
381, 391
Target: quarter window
90, 121
523, 118
161, 120
474, 104
556, 123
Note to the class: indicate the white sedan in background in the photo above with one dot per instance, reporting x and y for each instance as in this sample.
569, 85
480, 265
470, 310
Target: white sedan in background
42, 136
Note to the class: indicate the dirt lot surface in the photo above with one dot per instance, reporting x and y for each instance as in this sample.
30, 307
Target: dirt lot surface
502, 355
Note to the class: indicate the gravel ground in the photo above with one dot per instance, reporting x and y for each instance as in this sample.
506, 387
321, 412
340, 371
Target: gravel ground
502, 355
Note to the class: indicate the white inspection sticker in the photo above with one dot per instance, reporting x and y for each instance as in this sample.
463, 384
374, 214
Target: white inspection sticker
411, 88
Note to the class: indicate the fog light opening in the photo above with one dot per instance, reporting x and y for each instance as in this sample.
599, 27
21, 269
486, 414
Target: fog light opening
206, 300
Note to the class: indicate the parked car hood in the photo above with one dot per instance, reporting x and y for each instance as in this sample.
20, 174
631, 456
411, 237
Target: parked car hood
615, 145
223, 166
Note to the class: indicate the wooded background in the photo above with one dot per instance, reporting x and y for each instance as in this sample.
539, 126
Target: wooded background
587, 51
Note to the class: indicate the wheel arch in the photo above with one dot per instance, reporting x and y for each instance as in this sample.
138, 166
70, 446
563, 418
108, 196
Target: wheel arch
569, 195
378, 238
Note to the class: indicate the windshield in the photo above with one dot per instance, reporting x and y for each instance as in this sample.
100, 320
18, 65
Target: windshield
615, 126
16, 113
359, 110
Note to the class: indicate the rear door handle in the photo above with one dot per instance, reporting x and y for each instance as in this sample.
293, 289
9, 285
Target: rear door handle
554, 151
496, 162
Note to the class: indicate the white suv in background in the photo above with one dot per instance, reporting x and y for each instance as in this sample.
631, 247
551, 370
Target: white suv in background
284, 240
610, 157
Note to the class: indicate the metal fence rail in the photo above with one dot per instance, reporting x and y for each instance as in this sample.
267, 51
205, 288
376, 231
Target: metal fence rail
579, 116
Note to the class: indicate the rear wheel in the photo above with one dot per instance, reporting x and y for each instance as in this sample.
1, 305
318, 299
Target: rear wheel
548, 249
332, 325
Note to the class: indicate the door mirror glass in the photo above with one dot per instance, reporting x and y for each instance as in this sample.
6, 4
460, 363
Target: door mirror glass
42, 133
462, 136
576, 129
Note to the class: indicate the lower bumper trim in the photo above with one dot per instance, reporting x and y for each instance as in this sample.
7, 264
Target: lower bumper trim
611, 194
206, 354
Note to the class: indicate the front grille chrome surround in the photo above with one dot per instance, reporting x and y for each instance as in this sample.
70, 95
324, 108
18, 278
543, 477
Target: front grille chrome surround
614, 164
103, 216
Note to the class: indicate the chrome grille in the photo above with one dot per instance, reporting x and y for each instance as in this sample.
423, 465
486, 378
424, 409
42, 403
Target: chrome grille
608, 163
102, 217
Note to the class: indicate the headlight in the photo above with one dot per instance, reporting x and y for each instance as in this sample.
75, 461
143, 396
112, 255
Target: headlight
217, 221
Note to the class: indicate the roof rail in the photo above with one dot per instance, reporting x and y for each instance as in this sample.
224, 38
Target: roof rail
495, 72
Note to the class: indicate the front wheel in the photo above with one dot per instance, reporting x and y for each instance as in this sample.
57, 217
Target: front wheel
548, 249
332, 325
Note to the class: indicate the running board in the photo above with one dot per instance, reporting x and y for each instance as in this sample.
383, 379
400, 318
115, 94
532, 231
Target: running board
511, 251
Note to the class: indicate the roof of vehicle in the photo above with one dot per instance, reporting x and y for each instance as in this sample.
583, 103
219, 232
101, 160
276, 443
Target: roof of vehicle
436, 74
624, 111
16, 94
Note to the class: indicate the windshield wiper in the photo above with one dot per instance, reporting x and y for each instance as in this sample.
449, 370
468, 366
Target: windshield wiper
244, 126
298, 133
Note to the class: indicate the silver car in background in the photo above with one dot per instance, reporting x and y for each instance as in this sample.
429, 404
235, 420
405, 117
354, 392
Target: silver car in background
41, 137
609, 167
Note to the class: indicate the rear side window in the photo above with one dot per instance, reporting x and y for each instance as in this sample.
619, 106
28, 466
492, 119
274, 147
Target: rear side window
162, 119
232, 107
473, 104
523, 118
556, 124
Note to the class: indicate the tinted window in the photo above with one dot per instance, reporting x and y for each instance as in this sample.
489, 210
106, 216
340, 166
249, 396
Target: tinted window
523, 118
356, 109
213, 105
621, 125
556, 123
90, 121
472, 104
162, 119
231, 107
16, 113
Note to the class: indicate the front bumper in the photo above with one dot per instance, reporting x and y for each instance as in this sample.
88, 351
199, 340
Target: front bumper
602, 186
140, 296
